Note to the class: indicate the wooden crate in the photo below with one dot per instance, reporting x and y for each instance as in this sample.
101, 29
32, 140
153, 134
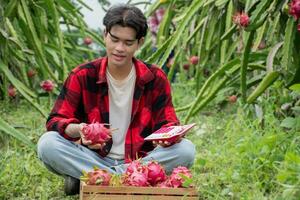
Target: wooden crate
91, 192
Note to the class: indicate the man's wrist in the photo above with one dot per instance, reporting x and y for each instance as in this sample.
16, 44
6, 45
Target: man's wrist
73, 130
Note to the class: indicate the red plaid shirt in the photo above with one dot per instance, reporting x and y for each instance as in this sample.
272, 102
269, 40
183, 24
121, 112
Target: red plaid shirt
84, 98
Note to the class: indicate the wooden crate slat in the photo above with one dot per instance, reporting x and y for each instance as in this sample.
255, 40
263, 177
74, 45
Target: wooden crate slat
135, 197
90, 192
139, 190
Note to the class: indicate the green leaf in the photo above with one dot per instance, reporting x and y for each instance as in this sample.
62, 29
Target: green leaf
29, 27
187, 15
264, 84
12, 5
288, 43
229, 32
259, 38
187, 181
271, 56
18, 84
211, 33
291, 123
165, 24
52, 9
25, 92
6, 128
260, 9
244, 65
295, 87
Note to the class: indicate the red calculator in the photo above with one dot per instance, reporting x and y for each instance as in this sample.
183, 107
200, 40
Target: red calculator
168, 133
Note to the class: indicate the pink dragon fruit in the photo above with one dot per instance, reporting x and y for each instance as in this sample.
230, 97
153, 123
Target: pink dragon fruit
241, 19
164, 184
135, 165
176, 180
96, 132
87, 41
156, 173
12, 91
294, 9
136, 174
186, 66
97, 177
160, 14
194, 60
47, 85
31, 73
137, 178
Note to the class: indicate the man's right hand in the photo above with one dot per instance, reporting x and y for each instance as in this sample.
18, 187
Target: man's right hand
86, 142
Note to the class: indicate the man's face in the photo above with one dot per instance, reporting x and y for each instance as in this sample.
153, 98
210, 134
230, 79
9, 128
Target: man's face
121, 45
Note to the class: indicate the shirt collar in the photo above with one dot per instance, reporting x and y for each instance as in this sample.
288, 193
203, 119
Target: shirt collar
143, 73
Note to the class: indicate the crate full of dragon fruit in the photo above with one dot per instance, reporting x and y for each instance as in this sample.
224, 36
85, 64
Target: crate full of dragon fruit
140, 181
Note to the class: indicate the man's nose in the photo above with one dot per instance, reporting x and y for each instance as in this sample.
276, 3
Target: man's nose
120, 46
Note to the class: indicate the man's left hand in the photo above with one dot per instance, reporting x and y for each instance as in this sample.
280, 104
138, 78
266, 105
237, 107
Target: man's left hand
165, 143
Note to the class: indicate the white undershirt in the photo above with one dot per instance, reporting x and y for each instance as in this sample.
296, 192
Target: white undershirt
120, 94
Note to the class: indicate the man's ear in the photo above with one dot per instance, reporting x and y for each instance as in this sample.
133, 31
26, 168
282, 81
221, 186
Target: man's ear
141, 41
104, 35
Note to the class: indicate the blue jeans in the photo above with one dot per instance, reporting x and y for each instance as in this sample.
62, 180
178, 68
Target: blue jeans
65, 157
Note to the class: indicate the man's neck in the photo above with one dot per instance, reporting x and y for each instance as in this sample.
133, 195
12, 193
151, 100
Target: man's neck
120, 73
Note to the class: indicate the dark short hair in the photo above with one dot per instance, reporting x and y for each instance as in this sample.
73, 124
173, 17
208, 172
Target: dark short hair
126, 16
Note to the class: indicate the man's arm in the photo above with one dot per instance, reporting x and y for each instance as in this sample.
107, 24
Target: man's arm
162, 108
65, 107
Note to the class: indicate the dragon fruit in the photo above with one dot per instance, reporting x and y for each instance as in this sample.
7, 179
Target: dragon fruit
87, 41
47, 85
31, 73
12, 91
136, 174
186, 66
294, 9
135, 165
232, 98
194, 60
156, 173
241, 19
139, 175
176, 179
164, 184
96, 177
137, 178
95, 132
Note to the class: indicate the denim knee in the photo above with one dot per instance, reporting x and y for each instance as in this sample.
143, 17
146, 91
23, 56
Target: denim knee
186, 151
47, 144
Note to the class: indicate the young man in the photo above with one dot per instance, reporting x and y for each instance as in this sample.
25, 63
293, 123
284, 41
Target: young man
127, 93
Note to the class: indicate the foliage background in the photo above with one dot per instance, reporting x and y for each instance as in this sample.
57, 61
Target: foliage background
247, 149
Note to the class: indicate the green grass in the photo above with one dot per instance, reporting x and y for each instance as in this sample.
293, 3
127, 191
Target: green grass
238, 157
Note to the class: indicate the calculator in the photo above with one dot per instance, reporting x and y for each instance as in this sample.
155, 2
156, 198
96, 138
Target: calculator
166, 133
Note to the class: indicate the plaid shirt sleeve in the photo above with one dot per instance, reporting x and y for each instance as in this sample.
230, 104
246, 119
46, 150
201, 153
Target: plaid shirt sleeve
162, 109
65, 107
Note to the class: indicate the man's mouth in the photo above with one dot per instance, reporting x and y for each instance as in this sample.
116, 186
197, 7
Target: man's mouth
118, 57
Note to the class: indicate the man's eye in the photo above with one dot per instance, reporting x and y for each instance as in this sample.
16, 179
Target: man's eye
129, 43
